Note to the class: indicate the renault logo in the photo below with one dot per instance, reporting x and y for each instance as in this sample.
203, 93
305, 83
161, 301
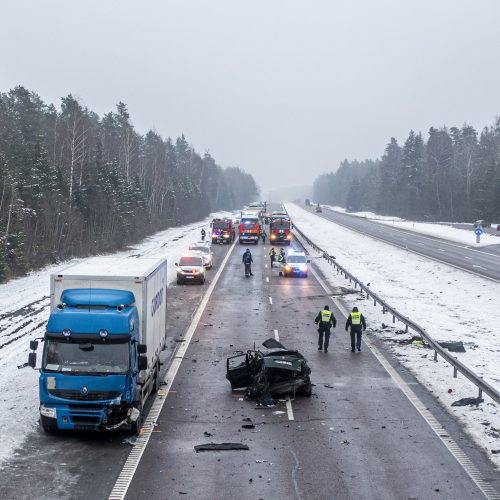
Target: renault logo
85, 391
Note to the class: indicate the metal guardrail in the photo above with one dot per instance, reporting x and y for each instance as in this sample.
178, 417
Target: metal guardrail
457, 365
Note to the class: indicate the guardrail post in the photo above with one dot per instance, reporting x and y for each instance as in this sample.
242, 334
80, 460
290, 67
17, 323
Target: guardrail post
435, 356
406, 328
480, 395
393, 318
383, 309
374, 302
455, 371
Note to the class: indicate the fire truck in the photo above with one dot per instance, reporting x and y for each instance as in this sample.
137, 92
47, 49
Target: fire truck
221, 230
279, 231
249, 229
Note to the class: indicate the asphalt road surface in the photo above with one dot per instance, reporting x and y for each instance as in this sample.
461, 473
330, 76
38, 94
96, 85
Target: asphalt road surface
357, 437
483, 261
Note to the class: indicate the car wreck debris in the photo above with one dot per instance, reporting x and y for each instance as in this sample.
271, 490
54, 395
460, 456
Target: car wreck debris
220, 447
273, 372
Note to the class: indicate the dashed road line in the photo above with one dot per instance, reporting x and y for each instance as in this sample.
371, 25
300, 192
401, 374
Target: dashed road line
127, 472
276, 335
289, 410
267, 279
271, 300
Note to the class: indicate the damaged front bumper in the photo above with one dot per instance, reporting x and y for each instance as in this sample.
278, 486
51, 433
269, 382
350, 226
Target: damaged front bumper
92, 417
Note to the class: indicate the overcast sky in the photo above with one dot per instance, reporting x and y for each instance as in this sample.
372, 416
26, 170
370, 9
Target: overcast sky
285, 89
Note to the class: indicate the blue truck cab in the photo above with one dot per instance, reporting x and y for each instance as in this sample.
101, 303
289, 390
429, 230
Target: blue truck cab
97, 368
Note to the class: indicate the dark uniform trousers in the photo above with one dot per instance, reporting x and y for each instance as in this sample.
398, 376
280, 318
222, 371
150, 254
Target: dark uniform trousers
356, 336
326, 331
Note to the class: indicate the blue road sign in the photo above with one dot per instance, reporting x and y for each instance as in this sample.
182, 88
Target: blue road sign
478, 231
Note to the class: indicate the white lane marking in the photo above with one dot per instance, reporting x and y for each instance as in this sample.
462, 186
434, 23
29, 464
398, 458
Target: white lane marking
450, 444
276, 335
421, 244
468, 258
271, 300
265, 265
267, 279
479, 267
289, 409
126, 475
441, 250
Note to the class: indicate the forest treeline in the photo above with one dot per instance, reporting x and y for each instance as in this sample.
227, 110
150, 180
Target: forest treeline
73, 183
453, 176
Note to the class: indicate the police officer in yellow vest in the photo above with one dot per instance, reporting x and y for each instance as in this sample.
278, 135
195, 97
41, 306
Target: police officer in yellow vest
355, 320
325, 319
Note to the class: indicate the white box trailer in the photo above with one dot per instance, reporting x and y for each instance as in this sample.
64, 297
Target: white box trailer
146, 278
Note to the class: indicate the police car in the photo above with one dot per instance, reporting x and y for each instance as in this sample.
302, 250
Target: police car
296, 264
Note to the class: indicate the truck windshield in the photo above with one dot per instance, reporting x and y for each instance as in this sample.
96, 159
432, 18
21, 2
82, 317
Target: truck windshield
221, 225
86, 357
280, 225
250, 226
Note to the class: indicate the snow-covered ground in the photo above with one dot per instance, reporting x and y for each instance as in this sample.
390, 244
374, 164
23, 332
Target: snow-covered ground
24, 309
450, 304
439, 230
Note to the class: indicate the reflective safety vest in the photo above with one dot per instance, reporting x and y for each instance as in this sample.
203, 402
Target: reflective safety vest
355, 318
326, 316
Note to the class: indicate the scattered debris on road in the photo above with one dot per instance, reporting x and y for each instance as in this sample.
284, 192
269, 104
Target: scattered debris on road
220, 447
468, 402
453, 346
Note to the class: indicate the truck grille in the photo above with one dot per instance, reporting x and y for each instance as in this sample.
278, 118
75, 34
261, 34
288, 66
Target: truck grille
78, 396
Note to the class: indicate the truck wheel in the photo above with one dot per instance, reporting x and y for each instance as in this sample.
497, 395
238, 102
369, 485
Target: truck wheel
156, 382
48, 424
307, 389
179, 282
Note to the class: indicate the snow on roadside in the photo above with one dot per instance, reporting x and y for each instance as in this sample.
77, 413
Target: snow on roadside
438, 230
19, 388
450, 304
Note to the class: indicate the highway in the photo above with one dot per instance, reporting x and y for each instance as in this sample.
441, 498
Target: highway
368, 431
483, 261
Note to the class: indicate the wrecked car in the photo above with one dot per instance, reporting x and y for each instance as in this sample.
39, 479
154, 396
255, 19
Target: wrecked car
273, 372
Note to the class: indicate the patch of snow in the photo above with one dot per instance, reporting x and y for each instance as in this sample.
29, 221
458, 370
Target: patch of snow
448, 303
24, 310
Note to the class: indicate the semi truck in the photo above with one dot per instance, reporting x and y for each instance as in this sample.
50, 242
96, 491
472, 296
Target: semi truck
101, 348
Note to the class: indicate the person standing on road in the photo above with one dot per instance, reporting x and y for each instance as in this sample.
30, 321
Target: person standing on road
282, 257
272, 255
233, 234
263, 235
247, 260
203, 234
325, 320
355, 320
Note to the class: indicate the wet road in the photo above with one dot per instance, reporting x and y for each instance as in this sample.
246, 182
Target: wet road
483, 261
357, 437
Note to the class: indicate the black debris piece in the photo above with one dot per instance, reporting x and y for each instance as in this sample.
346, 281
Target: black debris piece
248, 426
273, 344
468, 402
328, 386
220, 447
453, 346
495, 452
247, 419
207, 434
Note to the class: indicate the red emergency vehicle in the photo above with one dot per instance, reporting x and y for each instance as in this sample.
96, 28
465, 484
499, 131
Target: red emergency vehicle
221, 230
279, 231
249, 229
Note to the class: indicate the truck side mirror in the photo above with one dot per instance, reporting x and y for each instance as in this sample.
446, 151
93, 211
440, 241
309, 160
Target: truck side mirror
33, 345
176, 264
308, 261
143, 363
142, 348
32, 359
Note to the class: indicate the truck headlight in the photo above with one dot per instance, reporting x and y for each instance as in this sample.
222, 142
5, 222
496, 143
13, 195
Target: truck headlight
303, 267
179, 270
288, 236
48, 412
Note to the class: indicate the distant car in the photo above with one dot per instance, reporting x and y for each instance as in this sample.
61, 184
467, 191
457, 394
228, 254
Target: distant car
296, 264
498, 227
482, 223
205, 249
191, 267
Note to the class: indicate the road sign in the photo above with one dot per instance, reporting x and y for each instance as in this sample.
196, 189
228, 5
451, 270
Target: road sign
478, 231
